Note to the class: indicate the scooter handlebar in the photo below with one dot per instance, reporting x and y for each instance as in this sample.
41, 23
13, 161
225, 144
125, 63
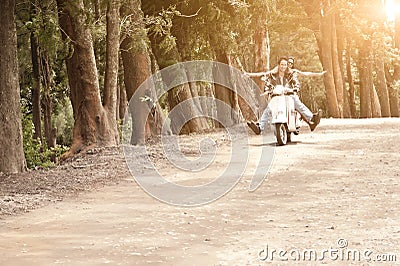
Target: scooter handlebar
278, 90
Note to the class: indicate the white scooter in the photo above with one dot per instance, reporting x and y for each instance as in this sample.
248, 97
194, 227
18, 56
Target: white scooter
284, 118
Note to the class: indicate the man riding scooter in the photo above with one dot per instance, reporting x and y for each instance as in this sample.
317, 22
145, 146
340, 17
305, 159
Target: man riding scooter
283, 76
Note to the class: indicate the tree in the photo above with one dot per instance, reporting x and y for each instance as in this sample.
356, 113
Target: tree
12, 159
226, 117
42, 80
325, 32
352, 101
367, 40
167, 53
137, 68
382, 88
95, 123
36, 101
394, 76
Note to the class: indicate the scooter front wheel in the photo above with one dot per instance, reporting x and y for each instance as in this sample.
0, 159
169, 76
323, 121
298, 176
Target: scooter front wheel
281, 133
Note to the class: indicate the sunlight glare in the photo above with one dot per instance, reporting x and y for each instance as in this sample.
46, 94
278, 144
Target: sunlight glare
392, 8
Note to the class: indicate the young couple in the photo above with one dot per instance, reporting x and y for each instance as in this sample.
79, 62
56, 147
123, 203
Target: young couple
285, 74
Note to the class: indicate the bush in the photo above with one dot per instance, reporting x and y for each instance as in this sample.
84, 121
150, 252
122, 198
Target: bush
64, 121
37, 154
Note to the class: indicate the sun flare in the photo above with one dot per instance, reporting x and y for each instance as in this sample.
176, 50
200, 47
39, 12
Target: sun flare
392, 7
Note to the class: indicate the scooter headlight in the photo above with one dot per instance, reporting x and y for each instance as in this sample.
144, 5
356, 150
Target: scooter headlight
279, 89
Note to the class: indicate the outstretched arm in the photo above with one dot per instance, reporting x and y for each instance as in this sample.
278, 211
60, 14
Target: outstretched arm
260, 74
256, 74
310, 74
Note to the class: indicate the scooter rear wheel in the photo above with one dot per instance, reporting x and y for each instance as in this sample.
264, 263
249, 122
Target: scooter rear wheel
281, 133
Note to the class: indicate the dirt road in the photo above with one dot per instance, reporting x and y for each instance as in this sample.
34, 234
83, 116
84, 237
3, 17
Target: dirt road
330, 196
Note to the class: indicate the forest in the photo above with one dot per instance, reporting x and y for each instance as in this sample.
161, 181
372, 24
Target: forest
69, 68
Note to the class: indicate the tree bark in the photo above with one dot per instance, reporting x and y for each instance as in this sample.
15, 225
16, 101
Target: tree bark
325, 52
337, 71
122, 100
393, 95
375, 105
396, 74
12, 158
341, 46
248, 96
365, 76
261, 62
382, 89
95, 125
175, 96
321, 17
50, 132
394, 102
112, 58
352, 100
36, 103
229, 96
136, 71
137, 68
209, 109
197, 121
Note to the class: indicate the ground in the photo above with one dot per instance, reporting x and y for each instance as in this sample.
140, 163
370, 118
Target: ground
335, 192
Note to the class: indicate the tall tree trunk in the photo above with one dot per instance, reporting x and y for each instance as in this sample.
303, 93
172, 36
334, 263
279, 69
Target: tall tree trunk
366, 81
112, 67
180, 32
36, 105
226, 95
136, 71
393, 94
394, 102
12, 159
197, 122
209, 109
122, 100
95, 125
352, 100
337, 71
382, 89
325, 52
175, 96
248, 96
375, 105
396, 74
341, 40
50, 132
323, 27
137, 68
261, 62
194, 90
112, 58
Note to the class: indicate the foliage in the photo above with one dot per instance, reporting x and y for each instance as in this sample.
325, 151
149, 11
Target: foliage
37, 155
40, 19
64, 122
160, 25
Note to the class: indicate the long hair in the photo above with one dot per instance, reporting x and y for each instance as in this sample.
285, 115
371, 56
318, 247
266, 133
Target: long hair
287, 71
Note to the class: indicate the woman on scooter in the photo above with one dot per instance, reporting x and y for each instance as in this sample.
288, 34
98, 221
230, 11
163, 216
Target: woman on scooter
284, 76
